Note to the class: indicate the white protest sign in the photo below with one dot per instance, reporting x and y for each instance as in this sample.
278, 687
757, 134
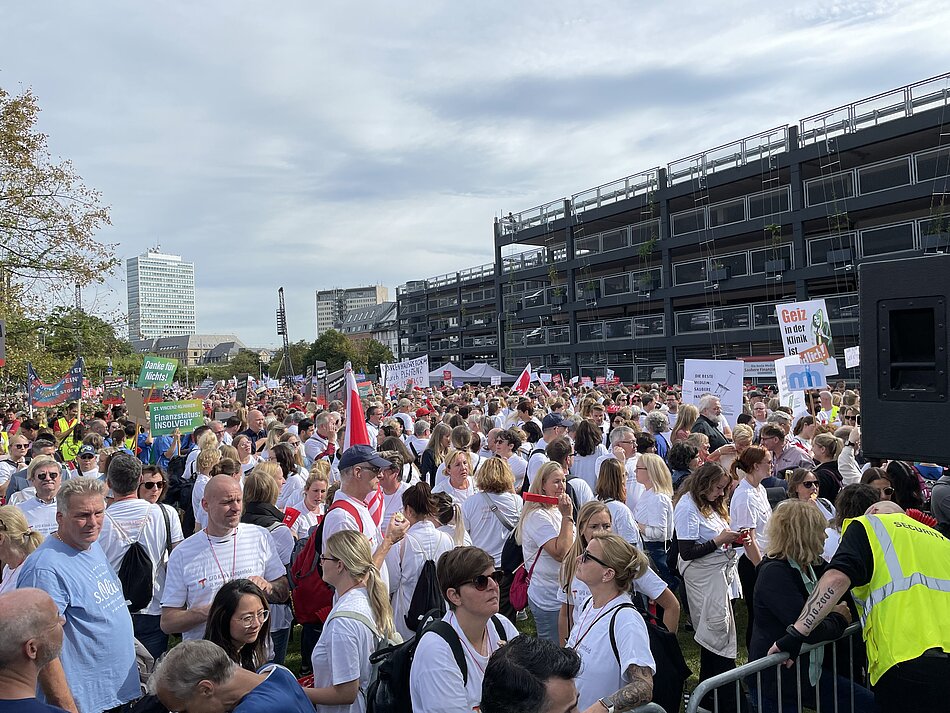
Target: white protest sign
756, 370
803, 376
719, 377
795, 400
496, 381
852, 357
804, 325
400, 374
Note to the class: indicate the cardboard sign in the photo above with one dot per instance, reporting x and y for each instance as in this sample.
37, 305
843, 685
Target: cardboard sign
804, 325
447, 375
405, 374
135, 403
852, 357
721, 378
795, 400
169, 416
156, 372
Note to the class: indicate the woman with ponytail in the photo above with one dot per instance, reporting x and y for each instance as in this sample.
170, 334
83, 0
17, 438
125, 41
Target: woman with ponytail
361, 619
17, 541
449, 519
750, 510
608, 566
422, 542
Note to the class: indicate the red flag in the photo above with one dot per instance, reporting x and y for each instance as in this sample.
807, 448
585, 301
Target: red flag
521, 385
544, 389
357, 435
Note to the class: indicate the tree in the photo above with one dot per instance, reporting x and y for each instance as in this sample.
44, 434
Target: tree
370, 354
333, 347
298, 358
47, 216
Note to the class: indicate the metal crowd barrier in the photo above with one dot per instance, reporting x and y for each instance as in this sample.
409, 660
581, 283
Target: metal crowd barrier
775, 662
648, 708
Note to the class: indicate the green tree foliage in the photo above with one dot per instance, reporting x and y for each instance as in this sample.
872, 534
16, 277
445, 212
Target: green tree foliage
298, 358
332, 347
370, 354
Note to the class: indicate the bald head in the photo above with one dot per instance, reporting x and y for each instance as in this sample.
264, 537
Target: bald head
884, 507
28, 629
221, 485
222, 501
255, 420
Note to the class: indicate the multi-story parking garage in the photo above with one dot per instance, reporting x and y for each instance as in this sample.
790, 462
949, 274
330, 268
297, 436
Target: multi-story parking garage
690, 259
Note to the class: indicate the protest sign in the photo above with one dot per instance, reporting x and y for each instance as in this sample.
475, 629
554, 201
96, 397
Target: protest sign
852, 357
156, 372
241, 389
402, 375
496, 381
112, 391
719, 377
795, 400
804, 325
365, 389
757, 370
168, 416
804, 376
135, 404
68, 388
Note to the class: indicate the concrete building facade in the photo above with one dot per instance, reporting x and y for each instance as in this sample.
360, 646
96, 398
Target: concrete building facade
161, 295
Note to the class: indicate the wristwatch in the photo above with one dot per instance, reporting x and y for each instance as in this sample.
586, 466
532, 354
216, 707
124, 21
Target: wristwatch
605, 704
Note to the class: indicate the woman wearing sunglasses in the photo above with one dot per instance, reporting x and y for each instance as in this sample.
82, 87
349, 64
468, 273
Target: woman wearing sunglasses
803, 484
880, 480
469, 581
361, 618
826, 448
594, 518
239, 622
607, 624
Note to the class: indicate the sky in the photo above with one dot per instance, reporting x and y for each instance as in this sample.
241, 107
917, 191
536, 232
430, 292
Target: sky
316, 145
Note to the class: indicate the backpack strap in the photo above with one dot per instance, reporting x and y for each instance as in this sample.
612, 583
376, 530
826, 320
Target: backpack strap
613, 636
451, 637
350, 508
493, 508
355, 616
499, 628
168, 529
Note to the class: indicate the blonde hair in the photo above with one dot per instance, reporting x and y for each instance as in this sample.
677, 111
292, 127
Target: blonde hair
207, 459
274, 432
830, 443
352, 549
537, 487
569, 563
627, 562
658, 472
742, 435
259, 487
269, 469
17, 530
439, 432
796, 531
207, 440
495, 476
686, 417
453, 455
321, 473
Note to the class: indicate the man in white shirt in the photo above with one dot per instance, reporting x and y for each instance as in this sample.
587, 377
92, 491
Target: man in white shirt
374, 419
45, 475
672, 407
552, 426
760, 415
390, 480
87, 463
418, 442
623, 447
403, 414
129, 519
360, 467
322, 443
598, 416
222, 552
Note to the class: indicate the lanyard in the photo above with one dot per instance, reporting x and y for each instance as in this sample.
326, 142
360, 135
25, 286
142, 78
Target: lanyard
475, 655
224, 577
600, 616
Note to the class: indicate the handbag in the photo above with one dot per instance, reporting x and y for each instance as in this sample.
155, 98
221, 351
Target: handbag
518, 594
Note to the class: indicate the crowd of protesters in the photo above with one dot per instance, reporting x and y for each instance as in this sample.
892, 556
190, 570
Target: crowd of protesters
621, 506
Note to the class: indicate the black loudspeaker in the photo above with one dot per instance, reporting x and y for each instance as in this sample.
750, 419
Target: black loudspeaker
905, 410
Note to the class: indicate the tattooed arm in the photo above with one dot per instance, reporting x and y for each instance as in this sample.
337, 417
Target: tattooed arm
636, 693
830, 588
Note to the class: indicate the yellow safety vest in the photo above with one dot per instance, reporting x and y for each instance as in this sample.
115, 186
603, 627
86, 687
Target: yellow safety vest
69, 448
906, 605
62, 425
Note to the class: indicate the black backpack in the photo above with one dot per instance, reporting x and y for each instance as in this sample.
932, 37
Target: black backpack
389, 691
427, 597
179, 487
135, 569
512, 555
671, 667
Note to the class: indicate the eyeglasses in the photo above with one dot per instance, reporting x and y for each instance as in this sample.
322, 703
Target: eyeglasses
217, 433
481, 581
810, 484
250, 619
850, 418
328, 558
887, 491
626, 442
87, 456
294, 443
586, 556
151, 486
46, 476
377, 471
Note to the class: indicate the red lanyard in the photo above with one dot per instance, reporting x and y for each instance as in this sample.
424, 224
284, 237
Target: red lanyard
475, 655
599, 617
224, 577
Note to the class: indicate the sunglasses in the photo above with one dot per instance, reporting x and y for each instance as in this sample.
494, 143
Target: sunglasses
586, 556
887, 491
46, 476
87, 456
810, 483
151, 486
481, 581
850, 418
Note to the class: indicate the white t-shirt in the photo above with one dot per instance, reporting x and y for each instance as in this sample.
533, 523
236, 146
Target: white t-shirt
435, 681
750, 508
519, 466
655, 512
634, 489
600, 673
201, 565
197, 493
587, 467
459, 495
292, 489
539, 527
582, 490
391, 505
407, 422
8, 578
451, 531
623, 523
339, 519
536, 460
485, 529
136, 520
40, 516
405, 561
691, 524
650, 585
306, 520
343, 650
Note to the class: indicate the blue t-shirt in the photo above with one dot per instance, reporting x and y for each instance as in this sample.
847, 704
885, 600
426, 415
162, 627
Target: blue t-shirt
28, 705
98, 654
280, 692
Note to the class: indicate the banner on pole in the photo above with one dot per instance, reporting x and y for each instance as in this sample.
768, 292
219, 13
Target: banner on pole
804, 325
157, 372
795, 400
241, 389
402, 375
68, 388
112, 391
167, 417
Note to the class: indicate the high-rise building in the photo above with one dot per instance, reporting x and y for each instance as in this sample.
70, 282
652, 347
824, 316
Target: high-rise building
161, 291
333, 305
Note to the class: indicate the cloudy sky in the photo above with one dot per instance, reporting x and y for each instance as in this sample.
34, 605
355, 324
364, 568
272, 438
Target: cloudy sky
316, 145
